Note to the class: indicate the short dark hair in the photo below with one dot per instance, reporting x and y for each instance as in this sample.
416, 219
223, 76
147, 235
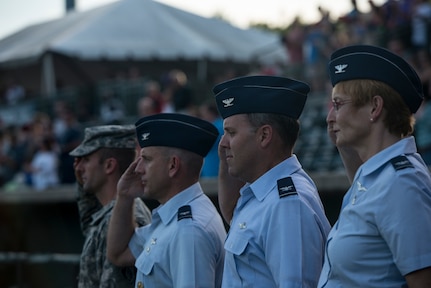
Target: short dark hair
124, 156
286, 127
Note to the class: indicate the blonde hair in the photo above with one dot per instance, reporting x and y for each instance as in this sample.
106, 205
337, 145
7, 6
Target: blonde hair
399, 120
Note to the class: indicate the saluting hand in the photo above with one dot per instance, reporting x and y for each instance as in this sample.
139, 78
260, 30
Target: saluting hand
130, 184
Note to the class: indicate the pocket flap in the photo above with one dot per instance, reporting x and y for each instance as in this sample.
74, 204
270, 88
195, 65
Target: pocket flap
145, 263
236, 243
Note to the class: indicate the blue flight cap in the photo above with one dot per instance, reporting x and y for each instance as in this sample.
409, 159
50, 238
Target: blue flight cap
376, 63
261, 94
176, 130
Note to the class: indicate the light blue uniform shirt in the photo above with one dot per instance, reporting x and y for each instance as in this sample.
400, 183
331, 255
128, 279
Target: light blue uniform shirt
181, 253
276, 241
384, 228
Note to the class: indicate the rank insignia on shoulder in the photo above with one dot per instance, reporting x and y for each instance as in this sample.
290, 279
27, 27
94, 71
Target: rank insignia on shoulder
184, 212
401, 162
286, 187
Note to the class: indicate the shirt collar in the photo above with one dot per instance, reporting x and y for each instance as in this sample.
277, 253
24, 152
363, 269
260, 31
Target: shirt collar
169, 210
403, 147
265, 183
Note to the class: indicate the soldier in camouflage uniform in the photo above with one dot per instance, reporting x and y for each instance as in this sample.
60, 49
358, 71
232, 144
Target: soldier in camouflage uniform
100, 160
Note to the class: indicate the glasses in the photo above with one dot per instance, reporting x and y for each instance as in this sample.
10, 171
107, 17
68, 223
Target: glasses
338, 103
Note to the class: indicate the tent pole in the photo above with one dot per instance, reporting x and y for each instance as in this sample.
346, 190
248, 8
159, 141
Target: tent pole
202, 67
48, 76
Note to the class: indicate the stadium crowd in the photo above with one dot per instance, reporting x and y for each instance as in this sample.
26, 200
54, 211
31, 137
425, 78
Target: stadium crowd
37, 153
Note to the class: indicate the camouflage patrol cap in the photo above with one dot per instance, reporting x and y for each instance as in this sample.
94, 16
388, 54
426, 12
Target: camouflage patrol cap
106, 136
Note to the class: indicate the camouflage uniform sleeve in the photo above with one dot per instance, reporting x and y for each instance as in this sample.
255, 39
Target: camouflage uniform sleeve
112, 276
88, 204
142, 213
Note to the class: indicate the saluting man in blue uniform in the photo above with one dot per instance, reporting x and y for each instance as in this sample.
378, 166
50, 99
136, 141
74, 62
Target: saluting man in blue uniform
183, 246
278, 226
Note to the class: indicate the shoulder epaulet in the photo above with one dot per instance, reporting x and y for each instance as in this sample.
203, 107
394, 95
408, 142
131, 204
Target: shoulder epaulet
184, 212
401, 162
286, 187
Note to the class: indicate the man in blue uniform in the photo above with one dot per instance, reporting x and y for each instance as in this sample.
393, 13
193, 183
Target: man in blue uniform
278, 226
183, 246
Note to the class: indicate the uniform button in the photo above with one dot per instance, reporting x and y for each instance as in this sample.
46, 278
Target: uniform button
140, 285
148, 249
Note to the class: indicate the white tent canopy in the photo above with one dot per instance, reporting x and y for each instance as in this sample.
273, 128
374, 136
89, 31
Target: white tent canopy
141, 30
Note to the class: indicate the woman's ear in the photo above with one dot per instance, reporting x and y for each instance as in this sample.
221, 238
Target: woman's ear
376, 107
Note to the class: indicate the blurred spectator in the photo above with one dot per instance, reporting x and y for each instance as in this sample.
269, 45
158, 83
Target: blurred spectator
352, 15
16, 152
177, 95
153, 90
135, 82
423, 115
44, 165
423, 130
7, 164
58, 123
376, 29
112, 109
14, 92
397, 46
420, 25
42, 127
208, 111
148, 106
294, 41
396, 16
67, 141
317, 48
151, 102
422, 63
355, 23
169, 85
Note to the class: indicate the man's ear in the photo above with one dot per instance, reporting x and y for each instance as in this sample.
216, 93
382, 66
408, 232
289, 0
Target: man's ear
110, 165
264, 134
174, 165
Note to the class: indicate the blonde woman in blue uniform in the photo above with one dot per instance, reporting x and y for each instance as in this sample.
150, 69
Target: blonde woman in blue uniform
383, 234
